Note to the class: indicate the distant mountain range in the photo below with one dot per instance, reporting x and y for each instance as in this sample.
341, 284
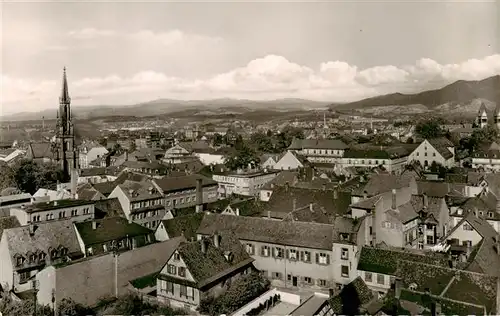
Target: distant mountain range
460, 97
166, 106
459, 92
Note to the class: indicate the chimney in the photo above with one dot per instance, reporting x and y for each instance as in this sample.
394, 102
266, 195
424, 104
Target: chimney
294, 204
272, 186
55, 203
94, 225
150, 190
58, 185
397, 288
32, 229
426, 201
365, 195
311, 208
287, 186
324, 186
394, 204
199, 195
269, 214
331, 293
335, 194
216, 240
126, 155
203, 246
237, 212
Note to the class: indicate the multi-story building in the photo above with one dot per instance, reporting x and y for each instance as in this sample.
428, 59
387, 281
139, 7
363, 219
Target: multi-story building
75, 210
186, 191
178, 154
13, 201
140, 202
319, 150
202, 268
437, 150
246, 183
392, 159
487, 159
293, 254
88, 155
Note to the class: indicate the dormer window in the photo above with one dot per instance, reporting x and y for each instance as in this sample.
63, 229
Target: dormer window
64, 252
53, 253
19, 261
41, 256
32, 258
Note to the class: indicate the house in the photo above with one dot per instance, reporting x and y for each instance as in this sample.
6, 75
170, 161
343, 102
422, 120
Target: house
244, 207
185, 226
178, 154
487, 158
15, 200
89, 193
293, 254
108, 208
75, 210
27, 249
319, 150
485, 205
201, 269
61, 192
140, 202
98, 174
436, 150
246, 183
290, 161
153, 169
87, 155
183, 191
382, 183
281, 179
269, 160
42, 152
393, 159
111, 234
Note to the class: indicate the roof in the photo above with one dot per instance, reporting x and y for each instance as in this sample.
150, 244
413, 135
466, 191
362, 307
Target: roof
281, 179
12, 199
186, 225
290, 233
247, 207
108, 229
283, 198
381, 183
367, 204
40, 150
336, 144
54, 205
8, 222
108, 208
139, 191
173, 184
311, 306
441, 145
377, 153
386, 261
309, 213
47, 236
351, 298
213, 265
88, 192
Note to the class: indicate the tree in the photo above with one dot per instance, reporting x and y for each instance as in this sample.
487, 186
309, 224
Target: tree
241, 158
287, 135
429, 129
218, 139
262, 142
132, 147
9, 307
68, 307
28, 176
132, 304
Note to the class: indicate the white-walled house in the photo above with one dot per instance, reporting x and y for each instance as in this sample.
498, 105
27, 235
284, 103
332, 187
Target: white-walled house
87, 155
438, 150
243, 183
290, 161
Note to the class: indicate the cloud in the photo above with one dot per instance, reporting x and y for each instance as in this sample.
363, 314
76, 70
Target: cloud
268, 77
90, 33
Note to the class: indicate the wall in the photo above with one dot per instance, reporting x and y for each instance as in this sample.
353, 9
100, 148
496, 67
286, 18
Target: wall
288, 162
265, 195
432, 155
189, 197
124, 201
463, 235
6, 270
24, 217
374, 285
337, 261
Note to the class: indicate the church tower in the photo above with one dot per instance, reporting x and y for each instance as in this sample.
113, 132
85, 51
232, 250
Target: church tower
496, 116
66, 150
482, 116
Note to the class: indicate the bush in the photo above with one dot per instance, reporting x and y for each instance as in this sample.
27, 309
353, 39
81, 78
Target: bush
132, 304
68, 307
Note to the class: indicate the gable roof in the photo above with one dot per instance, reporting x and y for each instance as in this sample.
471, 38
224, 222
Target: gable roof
8, 222
381, 183
290, 233
108, 208
108, 229
299, 144
441, 145
213, 265
187, 225
173, 184
139, 191
40, 150
351, 298
47, 236
281, 179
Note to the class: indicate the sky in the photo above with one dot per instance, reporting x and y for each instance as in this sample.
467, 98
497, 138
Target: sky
120, 53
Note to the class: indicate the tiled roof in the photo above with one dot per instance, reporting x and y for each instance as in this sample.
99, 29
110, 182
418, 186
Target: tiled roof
377, 153
386, 260
367, 204
440, 188
138, 191
41, 150
351, 298
108, 208
281, 179
381, 183
173, 184
311, 213
291, 233
441, 145
47, 236
247, 207
187, 224
433, 204
283, 197
89, 172
53, 205
108, 229
213, 265
8, 222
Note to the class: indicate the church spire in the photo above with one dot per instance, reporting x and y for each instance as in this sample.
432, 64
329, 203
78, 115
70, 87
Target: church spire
64, 99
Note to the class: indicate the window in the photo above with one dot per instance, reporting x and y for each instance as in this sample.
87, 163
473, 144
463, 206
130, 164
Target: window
306, 256
276, 275
168, 287
36, 218
433, 154
278, 252
467, 226
171, 269
322, 258
86, 211
264, 251
368, 277
289, 277
490, 214
321, 282
74, 212
183, 291
190, 293
41, 256
430, 240
380, 278
250, 249
292, 254
345, 271
307, 280
24, 276
345, 254
20, 261
182, 271
177, 257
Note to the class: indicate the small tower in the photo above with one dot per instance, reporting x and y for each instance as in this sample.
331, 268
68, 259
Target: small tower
482, 116
496, 116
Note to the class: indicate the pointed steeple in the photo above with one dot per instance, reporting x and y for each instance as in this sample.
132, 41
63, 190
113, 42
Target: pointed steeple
64, 99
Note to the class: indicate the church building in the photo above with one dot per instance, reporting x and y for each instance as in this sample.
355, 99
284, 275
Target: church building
484, 118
